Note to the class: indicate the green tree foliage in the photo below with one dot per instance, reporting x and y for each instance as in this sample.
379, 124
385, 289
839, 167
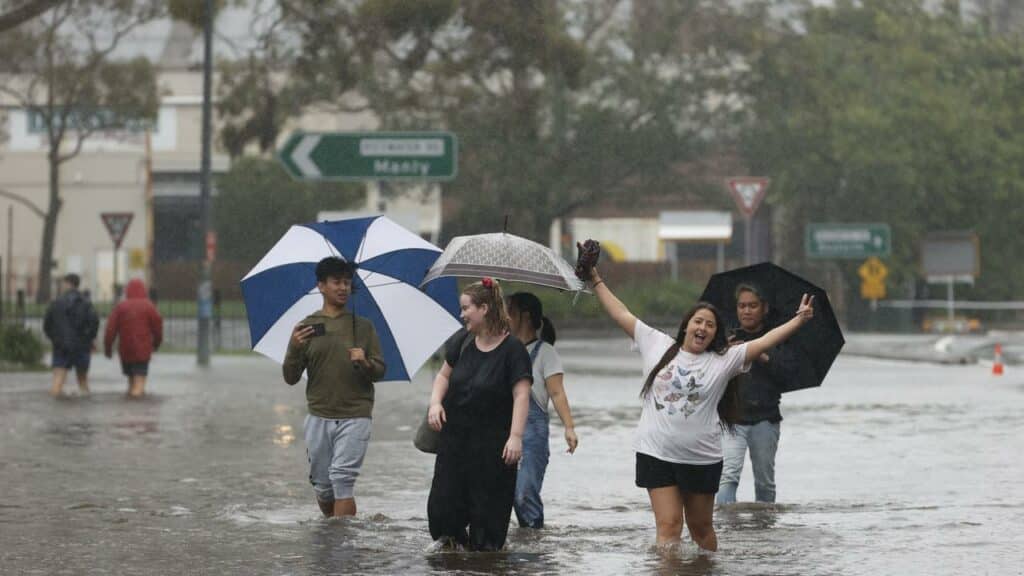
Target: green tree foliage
556, 104
257, 201
881, 111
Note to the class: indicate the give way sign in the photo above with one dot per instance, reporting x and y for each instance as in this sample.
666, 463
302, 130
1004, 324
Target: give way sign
748, 193
117, 225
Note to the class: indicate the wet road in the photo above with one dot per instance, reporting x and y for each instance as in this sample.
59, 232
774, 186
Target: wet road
889, 468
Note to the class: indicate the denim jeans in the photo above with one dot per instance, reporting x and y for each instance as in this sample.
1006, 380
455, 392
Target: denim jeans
763, 440
528, 504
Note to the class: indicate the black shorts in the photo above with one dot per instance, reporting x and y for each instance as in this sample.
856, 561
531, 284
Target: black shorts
695, 478
134, 368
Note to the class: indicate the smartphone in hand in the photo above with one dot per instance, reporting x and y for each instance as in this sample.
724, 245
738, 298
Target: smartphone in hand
319, 329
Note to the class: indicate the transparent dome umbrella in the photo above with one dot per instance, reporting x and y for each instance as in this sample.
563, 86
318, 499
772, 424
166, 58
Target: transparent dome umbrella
506, 257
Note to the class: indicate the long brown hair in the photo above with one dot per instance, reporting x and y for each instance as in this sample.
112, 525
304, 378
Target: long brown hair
497, 316
728, 406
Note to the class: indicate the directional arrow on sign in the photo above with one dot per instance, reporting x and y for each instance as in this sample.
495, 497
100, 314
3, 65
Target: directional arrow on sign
371, 155
301, 156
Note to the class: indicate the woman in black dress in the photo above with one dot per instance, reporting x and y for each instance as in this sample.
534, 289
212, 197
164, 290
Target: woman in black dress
479, 403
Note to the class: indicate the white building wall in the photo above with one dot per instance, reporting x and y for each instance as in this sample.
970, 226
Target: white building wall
109, 176
626, 239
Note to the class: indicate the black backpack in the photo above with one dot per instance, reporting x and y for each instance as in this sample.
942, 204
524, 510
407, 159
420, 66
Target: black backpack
82, 319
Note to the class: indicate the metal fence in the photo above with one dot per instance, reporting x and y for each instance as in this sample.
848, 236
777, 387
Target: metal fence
229, 325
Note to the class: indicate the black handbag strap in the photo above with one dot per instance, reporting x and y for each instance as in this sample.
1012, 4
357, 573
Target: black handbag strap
462, 347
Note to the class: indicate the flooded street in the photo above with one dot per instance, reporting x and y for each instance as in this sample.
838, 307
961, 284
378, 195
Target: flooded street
892, 468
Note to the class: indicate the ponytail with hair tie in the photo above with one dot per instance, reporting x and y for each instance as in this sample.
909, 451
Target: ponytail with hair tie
488, 292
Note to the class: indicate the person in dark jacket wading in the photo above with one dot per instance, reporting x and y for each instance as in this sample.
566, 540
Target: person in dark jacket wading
71, 324
759, 421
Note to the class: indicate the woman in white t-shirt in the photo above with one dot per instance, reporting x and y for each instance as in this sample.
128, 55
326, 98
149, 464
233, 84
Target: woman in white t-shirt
528, 323
678, 440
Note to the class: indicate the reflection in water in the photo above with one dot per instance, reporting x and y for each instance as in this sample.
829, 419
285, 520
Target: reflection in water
138, 426
283, 435
677, 559
491, 563
284, 410
73, 433
331, 549
747, 515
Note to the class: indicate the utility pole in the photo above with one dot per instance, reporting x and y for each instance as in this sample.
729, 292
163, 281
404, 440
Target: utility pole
9, 277
150, 233
204, 293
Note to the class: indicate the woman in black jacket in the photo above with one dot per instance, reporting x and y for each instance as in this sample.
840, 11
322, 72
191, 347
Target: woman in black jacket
759, 422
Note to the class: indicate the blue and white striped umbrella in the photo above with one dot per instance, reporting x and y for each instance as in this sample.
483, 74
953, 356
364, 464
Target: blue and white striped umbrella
412, 323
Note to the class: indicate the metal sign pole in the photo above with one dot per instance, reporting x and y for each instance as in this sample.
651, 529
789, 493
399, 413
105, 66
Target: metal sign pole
949, 299
204, 292
750, 240
748, 192
117, 224
9, 280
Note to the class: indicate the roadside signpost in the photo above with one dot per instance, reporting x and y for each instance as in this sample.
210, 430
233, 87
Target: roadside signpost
948, 258
748, 192
371, 155
848, 240
117, 226
872, 274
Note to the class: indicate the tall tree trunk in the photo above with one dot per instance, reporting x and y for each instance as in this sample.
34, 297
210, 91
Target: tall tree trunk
49, 229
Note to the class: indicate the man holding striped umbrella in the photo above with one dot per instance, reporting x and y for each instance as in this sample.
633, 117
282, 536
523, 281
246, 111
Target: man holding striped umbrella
341, 354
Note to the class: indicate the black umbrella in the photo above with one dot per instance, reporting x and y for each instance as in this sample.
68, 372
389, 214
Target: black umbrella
815, 346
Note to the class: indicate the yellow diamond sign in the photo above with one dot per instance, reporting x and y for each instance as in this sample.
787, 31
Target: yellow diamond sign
872, 274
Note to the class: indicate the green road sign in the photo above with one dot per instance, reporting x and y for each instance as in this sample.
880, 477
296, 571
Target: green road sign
371, 155
848, 240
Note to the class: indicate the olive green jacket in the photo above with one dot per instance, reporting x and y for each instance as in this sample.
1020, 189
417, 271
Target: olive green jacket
335, 388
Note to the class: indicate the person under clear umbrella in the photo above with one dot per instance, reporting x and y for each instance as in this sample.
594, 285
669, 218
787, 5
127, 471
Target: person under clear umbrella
678, 440
526, 315
479, 404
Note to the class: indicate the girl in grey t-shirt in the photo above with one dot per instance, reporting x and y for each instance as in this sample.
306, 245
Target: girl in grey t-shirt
528, 323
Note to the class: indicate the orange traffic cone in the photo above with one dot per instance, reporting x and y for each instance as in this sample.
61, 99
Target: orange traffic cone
997, 363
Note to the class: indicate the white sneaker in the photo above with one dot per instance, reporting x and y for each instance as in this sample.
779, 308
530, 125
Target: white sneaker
443, 544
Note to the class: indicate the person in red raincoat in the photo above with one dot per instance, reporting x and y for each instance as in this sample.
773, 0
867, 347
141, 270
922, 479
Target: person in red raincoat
138, 327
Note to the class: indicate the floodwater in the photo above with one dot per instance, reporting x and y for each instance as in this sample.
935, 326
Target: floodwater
889, 468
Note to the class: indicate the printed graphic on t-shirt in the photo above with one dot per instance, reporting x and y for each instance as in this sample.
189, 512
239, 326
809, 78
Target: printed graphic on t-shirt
678, 390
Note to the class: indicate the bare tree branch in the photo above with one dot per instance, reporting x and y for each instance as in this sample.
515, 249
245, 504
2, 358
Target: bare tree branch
601, 21
80, 139
25, 201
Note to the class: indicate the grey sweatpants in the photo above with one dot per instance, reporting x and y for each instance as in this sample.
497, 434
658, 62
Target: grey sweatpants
335, 449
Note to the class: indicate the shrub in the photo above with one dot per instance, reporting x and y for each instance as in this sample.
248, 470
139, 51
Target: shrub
651, 301
20, 346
